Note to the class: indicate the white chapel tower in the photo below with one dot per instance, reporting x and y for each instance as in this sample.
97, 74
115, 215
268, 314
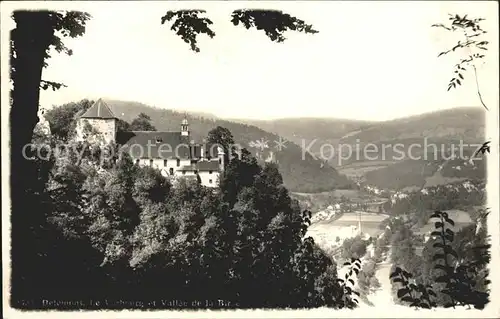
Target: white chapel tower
184, 127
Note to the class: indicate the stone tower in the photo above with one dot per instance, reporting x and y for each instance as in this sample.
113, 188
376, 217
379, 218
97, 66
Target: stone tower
98, 123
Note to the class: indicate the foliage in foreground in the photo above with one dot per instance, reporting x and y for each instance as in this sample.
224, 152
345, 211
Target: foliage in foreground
121, 232
458, 276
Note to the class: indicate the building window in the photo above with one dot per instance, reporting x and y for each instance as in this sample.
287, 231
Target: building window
209, 172
151, 162
220, 161
183, 172
193, 162
171, 171
178, 162
164, 162
210, 181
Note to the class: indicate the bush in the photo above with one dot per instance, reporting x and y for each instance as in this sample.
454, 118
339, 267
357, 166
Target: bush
367, 281
353, 248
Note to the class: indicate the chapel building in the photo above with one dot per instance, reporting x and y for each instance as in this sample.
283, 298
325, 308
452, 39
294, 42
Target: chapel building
172, 152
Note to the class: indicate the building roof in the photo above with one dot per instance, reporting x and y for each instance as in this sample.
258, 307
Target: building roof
99, 110
209, 150
204, 166
151, 144
188, 168
154, 144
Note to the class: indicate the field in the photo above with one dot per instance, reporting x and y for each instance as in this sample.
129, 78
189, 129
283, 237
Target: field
346, 226
460, 218
320, 201
439, 179
359, 169
365, 217
338, 193
369, 222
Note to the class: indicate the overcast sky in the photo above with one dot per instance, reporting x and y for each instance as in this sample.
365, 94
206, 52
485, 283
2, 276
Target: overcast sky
370, 60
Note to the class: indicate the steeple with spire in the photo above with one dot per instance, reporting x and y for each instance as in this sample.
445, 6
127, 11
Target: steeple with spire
185, 126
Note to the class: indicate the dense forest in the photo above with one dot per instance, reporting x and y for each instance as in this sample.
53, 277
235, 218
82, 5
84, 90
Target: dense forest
120, 232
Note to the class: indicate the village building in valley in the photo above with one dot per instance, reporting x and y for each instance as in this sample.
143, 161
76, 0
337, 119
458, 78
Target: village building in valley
172, 152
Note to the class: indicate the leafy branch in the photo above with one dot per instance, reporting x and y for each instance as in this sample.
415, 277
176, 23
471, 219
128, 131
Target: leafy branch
417, 296
447, 236
347, 284
460, 278
49, 84
472, 32
485, 148
273, 22
188, 24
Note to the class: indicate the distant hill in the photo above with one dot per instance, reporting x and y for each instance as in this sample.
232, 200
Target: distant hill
425, 163
464, 123
300, 173
303, 131
409, 175
390, 160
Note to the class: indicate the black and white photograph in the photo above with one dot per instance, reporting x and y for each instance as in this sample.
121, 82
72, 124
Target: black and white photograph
225, 159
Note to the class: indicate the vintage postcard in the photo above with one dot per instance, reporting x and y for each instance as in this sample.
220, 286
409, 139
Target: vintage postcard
243, 159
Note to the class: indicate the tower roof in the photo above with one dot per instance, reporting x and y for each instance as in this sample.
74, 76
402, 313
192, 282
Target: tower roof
99, 110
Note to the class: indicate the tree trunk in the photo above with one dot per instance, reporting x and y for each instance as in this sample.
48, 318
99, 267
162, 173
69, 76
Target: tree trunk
30, 40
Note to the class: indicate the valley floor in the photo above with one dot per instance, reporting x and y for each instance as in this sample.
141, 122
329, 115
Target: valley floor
383, 297
330, 234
